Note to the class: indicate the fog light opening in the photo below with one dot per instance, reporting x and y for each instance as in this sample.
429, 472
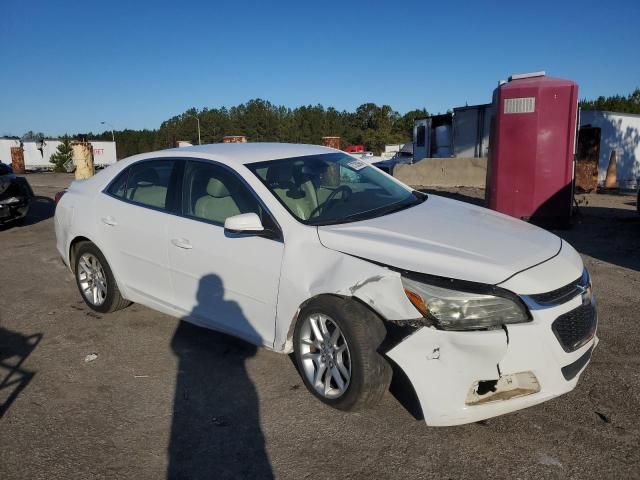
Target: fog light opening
486, 386
506, 387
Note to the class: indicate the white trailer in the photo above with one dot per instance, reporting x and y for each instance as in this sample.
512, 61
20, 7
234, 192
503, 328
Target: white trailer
471, 129
5, 149
37, 155
104, 153
619, 132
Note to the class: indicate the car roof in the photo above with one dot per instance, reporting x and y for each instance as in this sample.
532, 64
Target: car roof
243, 153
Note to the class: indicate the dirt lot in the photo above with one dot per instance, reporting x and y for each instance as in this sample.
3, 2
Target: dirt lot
137, 394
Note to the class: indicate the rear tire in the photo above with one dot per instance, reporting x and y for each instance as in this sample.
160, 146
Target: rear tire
95, 280
335, 344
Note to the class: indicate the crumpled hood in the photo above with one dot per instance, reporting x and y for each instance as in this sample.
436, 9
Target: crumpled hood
446, 238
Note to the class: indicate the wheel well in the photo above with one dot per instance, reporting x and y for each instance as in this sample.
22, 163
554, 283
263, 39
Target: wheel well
73, 248
303, 305
289, 342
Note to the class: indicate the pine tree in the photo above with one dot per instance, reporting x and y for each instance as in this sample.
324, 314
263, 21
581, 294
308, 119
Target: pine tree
63, 154
615, 103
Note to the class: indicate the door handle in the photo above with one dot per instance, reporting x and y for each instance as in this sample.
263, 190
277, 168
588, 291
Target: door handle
109, 221
182, 243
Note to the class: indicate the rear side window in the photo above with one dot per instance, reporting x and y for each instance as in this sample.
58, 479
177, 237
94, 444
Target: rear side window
119, 186
148, 183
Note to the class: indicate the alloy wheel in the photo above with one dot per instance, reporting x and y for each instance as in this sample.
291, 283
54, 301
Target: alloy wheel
326, 361
92, 279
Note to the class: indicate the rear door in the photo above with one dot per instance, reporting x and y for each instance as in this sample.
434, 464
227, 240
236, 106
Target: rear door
133, 217
222, 280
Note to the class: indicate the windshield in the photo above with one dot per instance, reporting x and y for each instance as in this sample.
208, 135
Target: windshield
333, 188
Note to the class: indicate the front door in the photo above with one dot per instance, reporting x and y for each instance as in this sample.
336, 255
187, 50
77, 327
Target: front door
222, 280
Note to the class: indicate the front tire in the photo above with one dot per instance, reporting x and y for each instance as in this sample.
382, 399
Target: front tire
335, 344
95, 280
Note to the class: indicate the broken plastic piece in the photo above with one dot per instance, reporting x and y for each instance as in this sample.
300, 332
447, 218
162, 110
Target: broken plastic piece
90, 358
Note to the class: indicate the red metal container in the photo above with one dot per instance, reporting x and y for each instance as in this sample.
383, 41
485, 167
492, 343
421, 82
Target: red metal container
530, 170
354, 149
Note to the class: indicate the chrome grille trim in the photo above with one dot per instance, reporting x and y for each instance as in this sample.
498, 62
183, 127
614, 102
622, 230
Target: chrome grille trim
553, 298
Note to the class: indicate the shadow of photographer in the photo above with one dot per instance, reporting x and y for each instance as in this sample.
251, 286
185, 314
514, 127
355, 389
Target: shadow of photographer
215, 431
14, 350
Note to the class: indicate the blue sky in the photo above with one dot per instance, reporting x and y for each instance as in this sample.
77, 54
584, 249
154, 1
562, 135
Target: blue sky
67, 65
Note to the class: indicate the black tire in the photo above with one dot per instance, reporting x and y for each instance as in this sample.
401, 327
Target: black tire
363, 331
113, 300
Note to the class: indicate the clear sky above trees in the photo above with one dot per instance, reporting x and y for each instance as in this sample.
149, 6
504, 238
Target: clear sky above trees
71, 64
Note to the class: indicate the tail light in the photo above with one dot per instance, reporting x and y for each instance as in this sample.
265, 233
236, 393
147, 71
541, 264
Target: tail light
58, 196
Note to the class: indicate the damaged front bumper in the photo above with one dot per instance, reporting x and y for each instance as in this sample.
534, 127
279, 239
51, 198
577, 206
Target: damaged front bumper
464, 377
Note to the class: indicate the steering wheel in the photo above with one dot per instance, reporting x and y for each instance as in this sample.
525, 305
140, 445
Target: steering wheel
346, 193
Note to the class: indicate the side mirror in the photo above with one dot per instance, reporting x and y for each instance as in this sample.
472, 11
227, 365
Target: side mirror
244, 223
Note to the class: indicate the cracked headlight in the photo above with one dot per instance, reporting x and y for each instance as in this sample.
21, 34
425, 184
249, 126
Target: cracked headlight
459, 310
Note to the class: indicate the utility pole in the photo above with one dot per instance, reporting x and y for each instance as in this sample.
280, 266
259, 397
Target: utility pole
113, 137
197, 120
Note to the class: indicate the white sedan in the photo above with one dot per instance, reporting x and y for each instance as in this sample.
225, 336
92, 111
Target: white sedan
303, 248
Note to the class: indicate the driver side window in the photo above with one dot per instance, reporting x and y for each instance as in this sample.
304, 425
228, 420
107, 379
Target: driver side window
213, 193
292, 187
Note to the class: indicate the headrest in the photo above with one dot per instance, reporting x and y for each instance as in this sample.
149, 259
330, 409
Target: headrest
146, 178
216, 188
279, 173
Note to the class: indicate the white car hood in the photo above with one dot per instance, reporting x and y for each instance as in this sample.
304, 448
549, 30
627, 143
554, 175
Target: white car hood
446, 238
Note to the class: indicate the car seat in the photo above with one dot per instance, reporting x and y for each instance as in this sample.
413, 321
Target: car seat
217, 204
143, 188
297, 193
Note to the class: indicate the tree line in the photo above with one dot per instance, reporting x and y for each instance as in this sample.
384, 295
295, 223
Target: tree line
616, 103
259, 120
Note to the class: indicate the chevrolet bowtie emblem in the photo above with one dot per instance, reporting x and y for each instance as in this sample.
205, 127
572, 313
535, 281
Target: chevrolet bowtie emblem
585, 291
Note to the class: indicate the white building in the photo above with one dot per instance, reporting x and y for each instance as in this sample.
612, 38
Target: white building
606, 132
619, 132
36, 156
463, 133
471, 129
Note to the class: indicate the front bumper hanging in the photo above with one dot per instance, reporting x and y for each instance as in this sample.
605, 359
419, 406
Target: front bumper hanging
464, 377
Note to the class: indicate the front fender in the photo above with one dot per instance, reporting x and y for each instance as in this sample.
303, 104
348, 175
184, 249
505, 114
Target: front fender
310, 269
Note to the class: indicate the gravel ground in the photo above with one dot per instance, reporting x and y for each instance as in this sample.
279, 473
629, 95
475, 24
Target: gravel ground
137, 394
